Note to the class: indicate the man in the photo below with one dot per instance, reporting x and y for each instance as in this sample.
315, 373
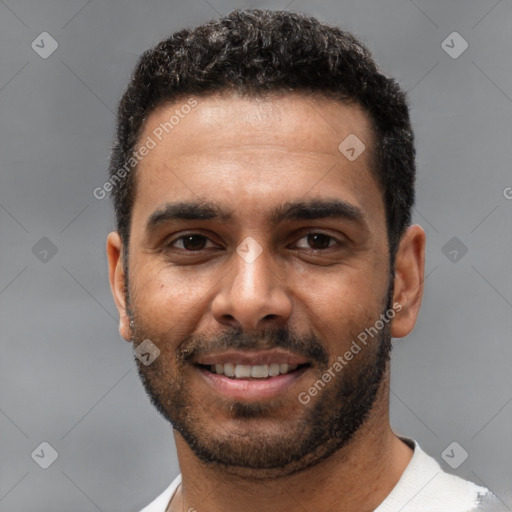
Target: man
263, 180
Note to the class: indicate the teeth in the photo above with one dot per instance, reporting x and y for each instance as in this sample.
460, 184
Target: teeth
273, 369
260, 371
229, 370
242, 370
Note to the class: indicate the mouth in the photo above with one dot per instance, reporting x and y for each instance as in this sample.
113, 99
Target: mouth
252, 372
252, 383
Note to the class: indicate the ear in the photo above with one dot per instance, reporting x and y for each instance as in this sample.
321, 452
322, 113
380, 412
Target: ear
409, 277
118, 282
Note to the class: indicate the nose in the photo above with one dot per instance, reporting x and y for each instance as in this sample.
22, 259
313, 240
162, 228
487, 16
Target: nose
252, 295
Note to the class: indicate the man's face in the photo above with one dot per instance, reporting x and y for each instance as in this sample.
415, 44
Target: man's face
270, 272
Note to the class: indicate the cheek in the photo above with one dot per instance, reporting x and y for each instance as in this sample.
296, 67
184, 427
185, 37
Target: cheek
343, 287
341, 304
167, 303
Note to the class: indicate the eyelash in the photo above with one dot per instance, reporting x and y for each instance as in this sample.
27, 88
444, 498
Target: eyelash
182, 237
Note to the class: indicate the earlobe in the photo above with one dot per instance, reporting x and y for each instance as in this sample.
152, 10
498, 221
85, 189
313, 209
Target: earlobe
409, 277
118, 281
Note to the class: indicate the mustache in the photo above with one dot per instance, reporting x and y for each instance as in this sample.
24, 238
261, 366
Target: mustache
308, 346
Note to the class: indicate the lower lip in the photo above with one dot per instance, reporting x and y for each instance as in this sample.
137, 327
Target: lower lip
252, 389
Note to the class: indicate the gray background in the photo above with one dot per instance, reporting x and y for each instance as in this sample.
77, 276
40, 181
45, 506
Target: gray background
68, 379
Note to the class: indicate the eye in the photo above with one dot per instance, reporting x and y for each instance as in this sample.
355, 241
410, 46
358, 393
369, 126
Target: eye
191, 242
317, 241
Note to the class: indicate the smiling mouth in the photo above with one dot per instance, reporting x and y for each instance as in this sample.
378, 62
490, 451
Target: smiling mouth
253, 372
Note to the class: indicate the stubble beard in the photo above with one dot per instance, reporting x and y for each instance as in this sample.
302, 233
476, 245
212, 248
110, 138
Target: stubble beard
319, 431
315, 433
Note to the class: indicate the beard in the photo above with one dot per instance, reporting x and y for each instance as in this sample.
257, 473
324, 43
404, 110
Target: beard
271, 438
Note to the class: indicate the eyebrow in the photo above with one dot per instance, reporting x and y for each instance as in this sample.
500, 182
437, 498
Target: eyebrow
186, 210
316, 209
289, 211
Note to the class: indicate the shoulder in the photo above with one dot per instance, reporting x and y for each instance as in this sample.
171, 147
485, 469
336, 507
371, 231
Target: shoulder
425, 487
159, 504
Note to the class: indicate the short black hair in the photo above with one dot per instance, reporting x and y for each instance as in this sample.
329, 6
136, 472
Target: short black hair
259, 52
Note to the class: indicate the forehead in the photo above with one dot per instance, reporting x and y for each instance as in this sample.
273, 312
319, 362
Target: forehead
314, 122
252, 152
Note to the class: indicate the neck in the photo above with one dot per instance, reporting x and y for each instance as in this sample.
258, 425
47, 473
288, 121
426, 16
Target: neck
357, 477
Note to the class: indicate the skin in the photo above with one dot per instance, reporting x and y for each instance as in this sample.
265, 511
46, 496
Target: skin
250, 156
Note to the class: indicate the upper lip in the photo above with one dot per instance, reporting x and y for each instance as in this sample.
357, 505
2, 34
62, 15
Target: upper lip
260, 357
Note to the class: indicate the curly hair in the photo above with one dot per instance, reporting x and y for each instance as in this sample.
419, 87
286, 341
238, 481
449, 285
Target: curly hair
257, 52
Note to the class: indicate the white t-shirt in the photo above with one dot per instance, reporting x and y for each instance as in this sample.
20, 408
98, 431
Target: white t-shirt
423, 487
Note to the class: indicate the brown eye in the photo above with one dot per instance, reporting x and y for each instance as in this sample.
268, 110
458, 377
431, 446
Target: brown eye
317, 241
193, 242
